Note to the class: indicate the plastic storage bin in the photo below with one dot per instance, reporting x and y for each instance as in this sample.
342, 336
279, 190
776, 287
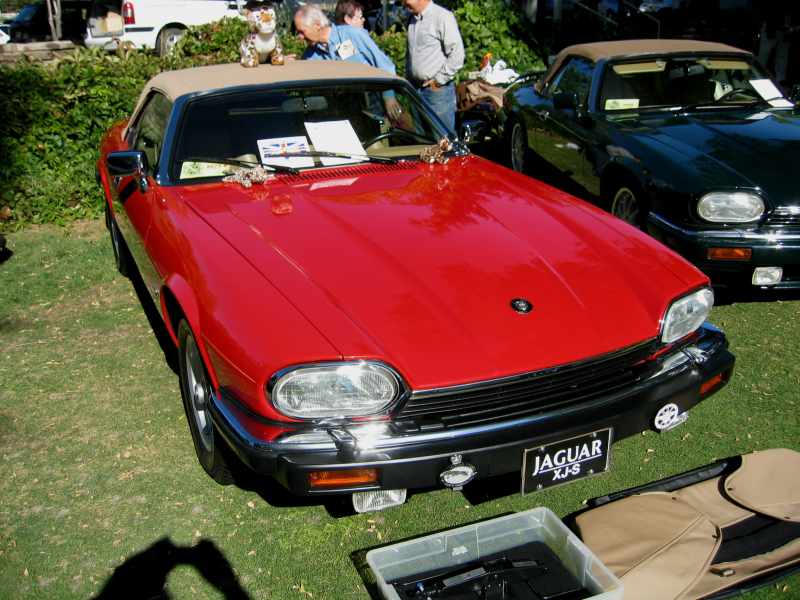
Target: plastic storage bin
466, 544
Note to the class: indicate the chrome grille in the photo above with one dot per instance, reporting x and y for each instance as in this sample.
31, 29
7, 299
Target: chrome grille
528, 394
785, 216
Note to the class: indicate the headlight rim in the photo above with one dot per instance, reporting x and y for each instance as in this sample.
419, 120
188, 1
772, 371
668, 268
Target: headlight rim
662, 323
752, 193
403, 390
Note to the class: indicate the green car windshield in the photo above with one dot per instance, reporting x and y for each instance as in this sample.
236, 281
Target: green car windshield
301, 128
695, 82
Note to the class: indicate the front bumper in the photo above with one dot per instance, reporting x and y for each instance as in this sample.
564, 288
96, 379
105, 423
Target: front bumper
415, 460
777, 249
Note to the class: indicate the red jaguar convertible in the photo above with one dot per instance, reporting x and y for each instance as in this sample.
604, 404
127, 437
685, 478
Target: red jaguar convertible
360, 307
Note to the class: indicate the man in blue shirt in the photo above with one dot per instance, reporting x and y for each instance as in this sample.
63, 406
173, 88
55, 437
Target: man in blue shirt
328, 41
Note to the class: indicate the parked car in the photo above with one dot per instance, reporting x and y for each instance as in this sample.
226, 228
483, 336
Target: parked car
145, 24
364, 322
689, 140
31, 23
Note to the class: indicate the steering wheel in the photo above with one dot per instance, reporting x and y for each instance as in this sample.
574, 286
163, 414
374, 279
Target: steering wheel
400, 133
749, 92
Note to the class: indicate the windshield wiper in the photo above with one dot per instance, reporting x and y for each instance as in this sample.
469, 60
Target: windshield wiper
756, 99
321, 154
237, 162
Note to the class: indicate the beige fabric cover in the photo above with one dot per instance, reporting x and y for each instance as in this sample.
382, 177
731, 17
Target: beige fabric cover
661, 544
174, 84
631, 48
768, 483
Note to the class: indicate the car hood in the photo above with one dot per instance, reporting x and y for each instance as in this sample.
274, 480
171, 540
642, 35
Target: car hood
732, 148
417, 265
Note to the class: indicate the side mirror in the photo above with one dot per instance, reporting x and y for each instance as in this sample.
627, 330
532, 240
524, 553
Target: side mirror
127, 163
794, 96
565, 101
471, 130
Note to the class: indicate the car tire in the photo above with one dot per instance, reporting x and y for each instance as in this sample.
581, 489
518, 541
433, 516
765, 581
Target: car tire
626, 202
517, 141
196, 393
167, 39
122, 256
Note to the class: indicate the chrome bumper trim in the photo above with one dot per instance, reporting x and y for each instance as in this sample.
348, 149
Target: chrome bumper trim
731, 235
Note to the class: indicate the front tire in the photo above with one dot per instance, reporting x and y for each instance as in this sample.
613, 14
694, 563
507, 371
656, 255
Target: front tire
626, 203
517, 147
122, 256
196, 392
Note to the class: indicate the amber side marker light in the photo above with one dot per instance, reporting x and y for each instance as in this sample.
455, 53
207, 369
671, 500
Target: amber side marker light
710, 385
730, 253
342, 479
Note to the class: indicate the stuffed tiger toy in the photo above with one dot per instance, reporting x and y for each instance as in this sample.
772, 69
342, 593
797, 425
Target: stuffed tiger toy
262, 43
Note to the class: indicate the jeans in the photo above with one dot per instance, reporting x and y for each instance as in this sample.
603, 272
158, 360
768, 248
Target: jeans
443, 102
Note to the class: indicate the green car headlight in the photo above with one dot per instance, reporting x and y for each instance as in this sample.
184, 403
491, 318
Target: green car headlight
730, 207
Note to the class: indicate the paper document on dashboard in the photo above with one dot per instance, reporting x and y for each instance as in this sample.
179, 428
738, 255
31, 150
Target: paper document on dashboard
335, 136
770, 92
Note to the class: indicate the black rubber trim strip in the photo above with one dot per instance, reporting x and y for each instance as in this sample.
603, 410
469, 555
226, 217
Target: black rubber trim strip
755, 535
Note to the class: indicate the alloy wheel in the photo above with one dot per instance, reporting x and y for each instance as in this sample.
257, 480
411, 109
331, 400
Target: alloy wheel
626, 206
199, 392
518, 148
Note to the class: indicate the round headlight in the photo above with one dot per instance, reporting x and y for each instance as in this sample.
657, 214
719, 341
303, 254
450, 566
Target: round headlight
335, 390
730, 207
686, 315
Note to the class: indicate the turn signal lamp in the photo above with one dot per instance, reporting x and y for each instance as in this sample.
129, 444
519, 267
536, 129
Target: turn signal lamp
730, 253
342, 479
711, 384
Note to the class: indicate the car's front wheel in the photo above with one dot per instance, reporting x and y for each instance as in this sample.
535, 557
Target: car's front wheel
196, 392
626, 203
122, 257
517, 146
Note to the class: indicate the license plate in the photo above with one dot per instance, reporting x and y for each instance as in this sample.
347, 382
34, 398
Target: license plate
566, 460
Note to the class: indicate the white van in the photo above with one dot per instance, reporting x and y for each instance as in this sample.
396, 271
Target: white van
155, 24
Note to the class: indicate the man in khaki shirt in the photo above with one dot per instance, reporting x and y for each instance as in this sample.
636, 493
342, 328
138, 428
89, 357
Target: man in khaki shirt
434, 55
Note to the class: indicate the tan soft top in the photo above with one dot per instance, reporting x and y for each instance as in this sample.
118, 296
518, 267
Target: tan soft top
174, 84
202, 79
631, 48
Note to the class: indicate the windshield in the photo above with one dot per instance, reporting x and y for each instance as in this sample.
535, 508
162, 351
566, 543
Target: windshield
680, 82
358, 121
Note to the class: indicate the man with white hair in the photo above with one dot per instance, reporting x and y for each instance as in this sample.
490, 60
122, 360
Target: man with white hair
328, 41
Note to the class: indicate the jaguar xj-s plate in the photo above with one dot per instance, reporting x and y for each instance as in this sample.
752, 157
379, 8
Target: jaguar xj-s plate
566, 460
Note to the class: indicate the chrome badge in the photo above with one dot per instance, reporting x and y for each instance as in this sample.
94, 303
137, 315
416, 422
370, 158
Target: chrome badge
521, 305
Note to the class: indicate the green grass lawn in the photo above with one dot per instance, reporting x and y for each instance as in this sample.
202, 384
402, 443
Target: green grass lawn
98, 464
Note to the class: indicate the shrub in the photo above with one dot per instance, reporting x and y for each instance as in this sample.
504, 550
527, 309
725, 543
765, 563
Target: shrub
492, 26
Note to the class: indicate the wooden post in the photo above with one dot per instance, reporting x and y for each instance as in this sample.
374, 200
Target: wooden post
54, 18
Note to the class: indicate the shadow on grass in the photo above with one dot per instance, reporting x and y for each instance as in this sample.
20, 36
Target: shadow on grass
274, 494
144, 575
5, 251
492, 488
156, 322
